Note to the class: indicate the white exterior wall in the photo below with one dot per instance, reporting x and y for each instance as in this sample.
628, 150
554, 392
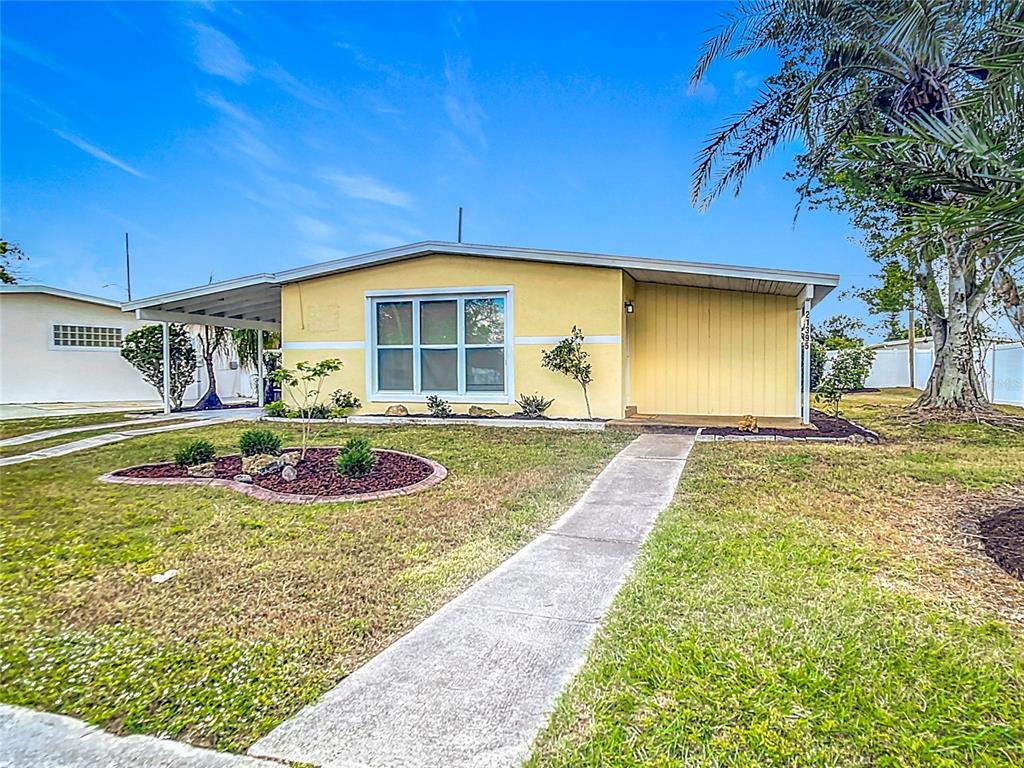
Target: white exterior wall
32, 370
237, 382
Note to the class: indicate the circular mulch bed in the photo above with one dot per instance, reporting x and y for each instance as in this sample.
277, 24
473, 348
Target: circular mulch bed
394, 474
1002, 535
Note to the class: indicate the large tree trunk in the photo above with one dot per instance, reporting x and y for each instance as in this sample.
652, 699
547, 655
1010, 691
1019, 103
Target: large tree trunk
210, 399
954, 384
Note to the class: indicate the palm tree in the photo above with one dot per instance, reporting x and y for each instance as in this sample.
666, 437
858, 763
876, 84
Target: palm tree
871, 67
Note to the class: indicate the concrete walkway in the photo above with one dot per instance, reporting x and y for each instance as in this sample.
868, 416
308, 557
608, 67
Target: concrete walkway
474, 683
41, 740
46, 434
198, 419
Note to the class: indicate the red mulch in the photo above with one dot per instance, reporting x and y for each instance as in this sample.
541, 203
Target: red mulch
827, 426
314, 475
1003, 537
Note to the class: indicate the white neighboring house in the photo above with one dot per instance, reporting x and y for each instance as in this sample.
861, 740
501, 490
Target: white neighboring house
59, 346
1001, 365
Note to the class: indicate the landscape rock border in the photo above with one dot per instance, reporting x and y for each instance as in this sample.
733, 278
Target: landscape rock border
438, 473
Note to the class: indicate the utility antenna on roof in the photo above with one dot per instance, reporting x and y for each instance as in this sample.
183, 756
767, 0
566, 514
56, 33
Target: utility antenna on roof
460, 223
128, 266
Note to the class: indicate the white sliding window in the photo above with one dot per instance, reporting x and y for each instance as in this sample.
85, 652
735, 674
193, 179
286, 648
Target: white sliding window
453, 345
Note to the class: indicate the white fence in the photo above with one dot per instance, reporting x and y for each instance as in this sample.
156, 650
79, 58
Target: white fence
1001, 368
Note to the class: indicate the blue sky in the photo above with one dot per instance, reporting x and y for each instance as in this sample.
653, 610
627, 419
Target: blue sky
238, 138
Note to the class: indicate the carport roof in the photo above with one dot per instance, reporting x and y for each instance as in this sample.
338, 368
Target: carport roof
255, 301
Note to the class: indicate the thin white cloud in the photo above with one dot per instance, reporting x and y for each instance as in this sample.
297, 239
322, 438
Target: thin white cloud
706, 92
743, 81
98, 153
369, 188
217, 54
291, 85
30, 53
312, 228
228, 109
251, 146
460, 104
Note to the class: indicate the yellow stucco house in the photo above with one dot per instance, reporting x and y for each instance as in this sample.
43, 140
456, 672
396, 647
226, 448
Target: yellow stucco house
470, 322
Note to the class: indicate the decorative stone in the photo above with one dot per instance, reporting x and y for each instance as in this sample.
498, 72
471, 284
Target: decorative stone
288, 473
290, 458
482, 413
260, 463
202, 470
396, 410
748, 424
243, 478
857, 439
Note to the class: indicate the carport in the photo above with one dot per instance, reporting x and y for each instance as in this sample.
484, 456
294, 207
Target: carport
246, 302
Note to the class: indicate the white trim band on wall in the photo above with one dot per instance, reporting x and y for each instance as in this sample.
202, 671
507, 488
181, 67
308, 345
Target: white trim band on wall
555, 339
323, 345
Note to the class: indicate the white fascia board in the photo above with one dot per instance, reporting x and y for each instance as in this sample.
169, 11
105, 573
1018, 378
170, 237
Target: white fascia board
185, 318
825, 280
199, 291
60, 292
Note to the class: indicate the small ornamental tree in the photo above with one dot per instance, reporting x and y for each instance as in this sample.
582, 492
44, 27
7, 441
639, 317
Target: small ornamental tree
144, 349
303, 386
570, 359
848, 372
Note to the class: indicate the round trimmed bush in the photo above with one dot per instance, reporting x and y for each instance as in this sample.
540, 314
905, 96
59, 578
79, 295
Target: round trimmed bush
355, 459
194, 452
259, 441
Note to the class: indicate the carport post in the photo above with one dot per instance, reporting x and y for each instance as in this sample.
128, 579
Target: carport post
167, 365
259, 368
806, 342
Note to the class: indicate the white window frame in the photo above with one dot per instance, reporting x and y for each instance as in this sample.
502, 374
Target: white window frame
415, 296
53, 345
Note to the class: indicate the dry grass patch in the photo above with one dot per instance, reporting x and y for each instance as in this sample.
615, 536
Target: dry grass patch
808, 605
273, 603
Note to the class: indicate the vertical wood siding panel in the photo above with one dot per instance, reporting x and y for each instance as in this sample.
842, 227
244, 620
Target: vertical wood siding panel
699, 351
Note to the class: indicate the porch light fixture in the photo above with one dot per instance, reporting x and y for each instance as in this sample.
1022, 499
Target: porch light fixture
629, 307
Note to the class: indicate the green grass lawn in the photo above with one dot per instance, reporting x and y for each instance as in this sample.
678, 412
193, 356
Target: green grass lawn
17, 427
49, 442
274, 602
814, 605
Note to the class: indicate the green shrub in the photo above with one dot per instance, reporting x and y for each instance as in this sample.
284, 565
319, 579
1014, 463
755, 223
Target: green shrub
277, 409
345, 399
439, 407
534, 405
355, 459
259, 441
317, 411
819, 359
194, 452
849, 371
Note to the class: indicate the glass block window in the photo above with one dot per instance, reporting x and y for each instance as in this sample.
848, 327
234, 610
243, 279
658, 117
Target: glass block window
86, 336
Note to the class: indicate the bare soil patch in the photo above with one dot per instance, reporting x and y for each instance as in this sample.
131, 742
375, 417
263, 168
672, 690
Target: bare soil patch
1003, 538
